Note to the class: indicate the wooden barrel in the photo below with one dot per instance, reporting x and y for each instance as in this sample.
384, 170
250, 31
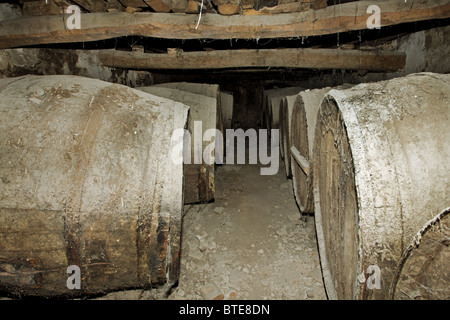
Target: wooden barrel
198, 177
303, 123
423, 272
264, 110
205, 89
381, 164
266, 107
271, 104
275, 100
286, 107
87, 180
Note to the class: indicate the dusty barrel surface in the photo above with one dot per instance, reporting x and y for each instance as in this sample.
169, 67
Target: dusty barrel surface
87, 179
381, 164
198, 172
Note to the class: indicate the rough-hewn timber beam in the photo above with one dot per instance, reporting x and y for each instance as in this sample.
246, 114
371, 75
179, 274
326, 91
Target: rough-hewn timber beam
289, 58
99, 26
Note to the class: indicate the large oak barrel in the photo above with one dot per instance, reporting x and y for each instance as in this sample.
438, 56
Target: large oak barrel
381, 164
303, 123
271, 104
205, 89
87, 180
198, 175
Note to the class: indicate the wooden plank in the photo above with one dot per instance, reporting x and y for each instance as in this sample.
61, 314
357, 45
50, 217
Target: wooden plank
98, 26
134, 3
192, 7
178, 6
41, 8
290, 58
158, 6
229, 8
114, 6
286, 8
92, 6
302, 162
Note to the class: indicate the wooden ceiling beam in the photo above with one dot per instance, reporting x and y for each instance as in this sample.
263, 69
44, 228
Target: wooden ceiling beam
99, 26
263, 58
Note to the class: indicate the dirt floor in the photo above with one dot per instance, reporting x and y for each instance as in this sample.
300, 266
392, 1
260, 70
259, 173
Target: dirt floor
251, 243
